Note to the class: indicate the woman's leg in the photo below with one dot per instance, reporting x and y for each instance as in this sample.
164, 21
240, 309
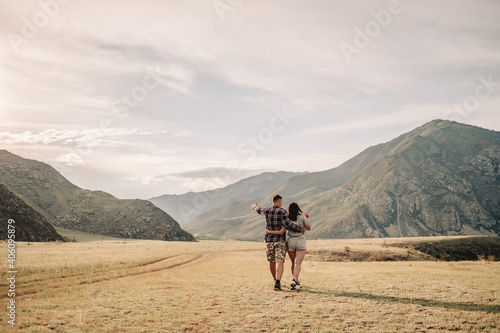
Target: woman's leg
291, 254
299, 256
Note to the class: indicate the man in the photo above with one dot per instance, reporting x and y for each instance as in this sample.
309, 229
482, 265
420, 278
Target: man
276, 218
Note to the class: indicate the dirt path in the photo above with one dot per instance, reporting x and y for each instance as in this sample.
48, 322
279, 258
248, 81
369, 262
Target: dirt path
76, 280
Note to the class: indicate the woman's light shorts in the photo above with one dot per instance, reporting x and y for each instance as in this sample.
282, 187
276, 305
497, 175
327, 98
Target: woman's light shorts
296, 243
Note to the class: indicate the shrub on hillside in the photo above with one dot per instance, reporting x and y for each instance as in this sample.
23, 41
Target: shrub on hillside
470, 248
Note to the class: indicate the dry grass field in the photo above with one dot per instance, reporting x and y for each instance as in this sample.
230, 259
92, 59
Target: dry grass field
215, 286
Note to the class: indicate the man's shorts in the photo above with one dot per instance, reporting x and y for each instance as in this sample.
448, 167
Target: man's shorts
296, 243
276, 251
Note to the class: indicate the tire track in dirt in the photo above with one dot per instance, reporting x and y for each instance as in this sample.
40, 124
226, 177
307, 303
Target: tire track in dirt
82, 275
72, 276
189, 262
55, 284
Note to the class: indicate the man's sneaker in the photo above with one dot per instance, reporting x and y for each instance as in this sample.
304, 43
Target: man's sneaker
277, 285
296, 283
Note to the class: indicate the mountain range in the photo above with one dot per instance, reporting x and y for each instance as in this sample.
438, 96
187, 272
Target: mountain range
185, 207
442, 178
439, 179
65, 205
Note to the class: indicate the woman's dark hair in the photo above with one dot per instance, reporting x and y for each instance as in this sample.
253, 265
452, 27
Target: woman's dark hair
294, 211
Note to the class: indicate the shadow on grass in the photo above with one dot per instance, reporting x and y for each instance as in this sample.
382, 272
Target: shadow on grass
402, 300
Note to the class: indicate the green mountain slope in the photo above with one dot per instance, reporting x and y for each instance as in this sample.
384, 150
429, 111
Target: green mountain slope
66, 205
29, 225
439, 179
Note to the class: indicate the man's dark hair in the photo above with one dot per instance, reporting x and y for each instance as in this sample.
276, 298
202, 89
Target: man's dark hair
276, 198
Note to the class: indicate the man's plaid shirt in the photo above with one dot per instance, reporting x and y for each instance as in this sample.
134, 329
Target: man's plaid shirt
276, 218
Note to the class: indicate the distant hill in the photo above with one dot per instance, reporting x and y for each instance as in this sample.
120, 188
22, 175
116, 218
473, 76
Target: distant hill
30, 225
440, 179
66, 205
185, 207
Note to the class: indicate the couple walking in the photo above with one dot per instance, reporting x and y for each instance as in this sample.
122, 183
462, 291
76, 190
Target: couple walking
277, 220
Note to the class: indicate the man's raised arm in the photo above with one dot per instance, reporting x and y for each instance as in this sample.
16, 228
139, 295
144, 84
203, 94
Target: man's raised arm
257, 208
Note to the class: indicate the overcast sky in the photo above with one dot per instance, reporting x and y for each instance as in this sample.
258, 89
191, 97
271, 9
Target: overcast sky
150, 97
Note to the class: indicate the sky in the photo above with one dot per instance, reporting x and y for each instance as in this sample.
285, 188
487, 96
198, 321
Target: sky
144, 98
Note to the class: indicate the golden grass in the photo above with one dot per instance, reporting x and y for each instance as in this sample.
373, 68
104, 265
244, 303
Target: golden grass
211, 286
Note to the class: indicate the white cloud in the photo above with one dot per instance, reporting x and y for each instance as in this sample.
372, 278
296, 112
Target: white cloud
202, 85
199, 179
174, 76
50, 136
70, 159
411, 115
183, 134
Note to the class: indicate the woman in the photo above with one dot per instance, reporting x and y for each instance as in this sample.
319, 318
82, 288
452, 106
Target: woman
296, 242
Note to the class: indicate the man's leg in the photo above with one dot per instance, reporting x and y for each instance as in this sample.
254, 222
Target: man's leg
272, 267
280, 253
271, 258
279, 269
